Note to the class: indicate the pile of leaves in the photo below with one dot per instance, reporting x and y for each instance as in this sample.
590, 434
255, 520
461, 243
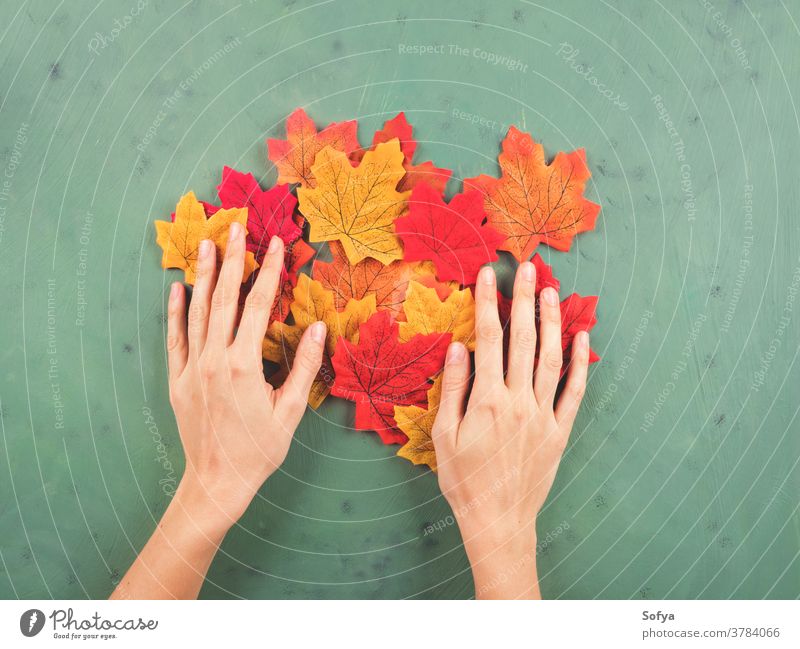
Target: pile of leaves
404, 261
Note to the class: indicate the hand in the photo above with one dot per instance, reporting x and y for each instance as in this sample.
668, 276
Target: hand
498, 459
234, 427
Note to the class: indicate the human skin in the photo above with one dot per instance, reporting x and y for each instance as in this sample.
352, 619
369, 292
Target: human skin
508, 434
498, 456
234, 441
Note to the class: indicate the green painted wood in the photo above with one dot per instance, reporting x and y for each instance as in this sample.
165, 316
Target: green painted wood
681, 479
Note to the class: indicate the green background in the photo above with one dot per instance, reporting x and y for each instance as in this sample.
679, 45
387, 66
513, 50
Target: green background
681, 479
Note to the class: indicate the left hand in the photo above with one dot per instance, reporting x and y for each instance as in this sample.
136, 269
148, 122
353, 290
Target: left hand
235, 428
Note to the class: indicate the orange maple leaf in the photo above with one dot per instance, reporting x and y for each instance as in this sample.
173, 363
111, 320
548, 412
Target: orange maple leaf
368, 277
533, 202
295, 155
180, 239
312, 303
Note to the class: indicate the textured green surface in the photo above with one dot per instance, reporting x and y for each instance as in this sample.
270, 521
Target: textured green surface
693, 493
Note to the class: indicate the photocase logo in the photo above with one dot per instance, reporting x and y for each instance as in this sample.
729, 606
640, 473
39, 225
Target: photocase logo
31, 622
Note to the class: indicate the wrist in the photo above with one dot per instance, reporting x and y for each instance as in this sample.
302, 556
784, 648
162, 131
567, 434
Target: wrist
204, 511
503, 561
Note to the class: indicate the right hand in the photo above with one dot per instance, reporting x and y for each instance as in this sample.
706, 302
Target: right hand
497, 458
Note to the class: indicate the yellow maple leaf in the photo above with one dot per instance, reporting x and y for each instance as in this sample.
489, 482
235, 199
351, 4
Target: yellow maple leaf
357, 205
417, 424
180, 239
312, 302
426, 313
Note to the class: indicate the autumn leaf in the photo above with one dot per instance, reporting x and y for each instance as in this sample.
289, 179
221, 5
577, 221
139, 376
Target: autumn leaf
297, 255
180, 239
417, 424
453, 236
426, 313
357, 205
295, 155
368, 277
424, 272
208, 208
578, 313
398, 127
534, 202
380, 372
544, 275
269, 213
312, 303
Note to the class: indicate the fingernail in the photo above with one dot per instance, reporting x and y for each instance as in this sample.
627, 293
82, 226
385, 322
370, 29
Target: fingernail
235, 233
205, 248
174, 291
487, 275
526, 271
550, 296
455, 354
274, 244
583, 339
318, 332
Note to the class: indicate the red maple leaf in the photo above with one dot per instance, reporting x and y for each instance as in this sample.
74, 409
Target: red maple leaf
379, 373
398, 127
297, 255
578, 313
269, 213
544, 274
453, 236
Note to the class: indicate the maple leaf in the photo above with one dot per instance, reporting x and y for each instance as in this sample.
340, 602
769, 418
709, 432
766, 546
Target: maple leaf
312, 303
295, 155
451, 235
269, 213
398, 127
181, 238
297, 255
578, 313
417, 424
357, 205
208, 208
368, 277
544, 274
534, 202
425, 274
380, 372
426, 313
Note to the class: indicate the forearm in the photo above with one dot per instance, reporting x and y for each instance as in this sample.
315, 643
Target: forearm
174, 562
503, 565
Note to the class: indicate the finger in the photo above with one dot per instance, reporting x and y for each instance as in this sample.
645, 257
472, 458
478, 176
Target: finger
522, 346
205, 276
451, 407
258, 305
177, 344
571, 397
488, 332
292, 396
548, 369
225, 300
